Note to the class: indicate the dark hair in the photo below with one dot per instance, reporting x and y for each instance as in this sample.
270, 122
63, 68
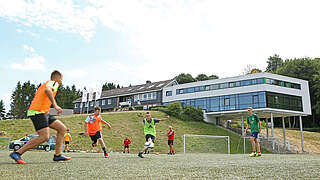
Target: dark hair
147, 112
55, 73
97, 108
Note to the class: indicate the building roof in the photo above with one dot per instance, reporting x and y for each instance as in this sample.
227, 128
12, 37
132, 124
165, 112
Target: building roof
153, 86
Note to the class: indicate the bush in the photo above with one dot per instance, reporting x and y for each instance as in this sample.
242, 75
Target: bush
138, 107
174, 109
191, 113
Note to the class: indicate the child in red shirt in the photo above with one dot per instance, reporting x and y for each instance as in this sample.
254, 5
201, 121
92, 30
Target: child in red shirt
170, 140
126, 143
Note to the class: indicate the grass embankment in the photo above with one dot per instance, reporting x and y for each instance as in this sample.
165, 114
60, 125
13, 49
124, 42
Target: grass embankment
126, 124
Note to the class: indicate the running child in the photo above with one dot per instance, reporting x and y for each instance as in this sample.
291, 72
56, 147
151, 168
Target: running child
38, 112
255, 125
93, 127
150, 131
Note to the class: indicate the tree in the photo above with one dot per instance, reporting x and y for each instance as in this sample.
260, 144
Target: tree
2, 110
202, 77
274, 62
108, 86
250, 69
214, 77
307, 69
185, 78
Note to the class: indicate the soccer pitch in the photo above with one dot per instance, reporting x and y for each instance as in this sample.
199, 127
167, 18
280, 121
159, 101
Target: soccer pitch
190, 166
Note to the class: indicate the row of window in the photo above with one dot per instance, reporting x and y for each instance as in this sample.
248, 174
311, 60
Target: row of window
92, 103
235, 84
245, 100
145, 96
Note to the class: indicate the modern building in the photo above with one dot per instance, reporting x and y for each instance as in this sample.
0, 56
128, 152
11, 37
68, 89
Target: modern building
270, 95
149, 94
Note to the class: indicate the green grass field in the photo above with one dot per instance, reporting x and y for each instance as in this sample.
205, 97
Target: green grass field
190, 166
127, 124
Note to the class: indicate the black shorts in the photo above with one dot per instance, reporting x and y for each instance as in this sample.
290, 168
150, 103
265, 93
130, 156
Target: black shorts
66, 142
150, 136
170, 142
126, 146
41, 121
94, 138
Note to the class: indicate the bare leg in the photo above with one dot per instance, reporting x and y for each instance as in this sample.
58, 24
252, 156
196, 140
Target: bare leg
101, 143
253, 144
258, 145
43, 137
128, 150
61, 129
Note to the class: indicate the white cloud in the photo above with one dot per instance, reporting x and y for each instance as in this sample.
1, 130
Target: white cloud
33, 61
212, 37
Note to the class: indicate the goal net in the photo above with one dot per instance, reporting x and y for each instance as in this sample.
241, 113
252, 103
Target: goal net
4, 143
206, 144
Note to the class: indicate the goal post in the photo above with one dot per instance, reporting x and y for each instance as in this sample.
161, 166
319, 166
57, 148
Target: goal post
4, 143
206, 144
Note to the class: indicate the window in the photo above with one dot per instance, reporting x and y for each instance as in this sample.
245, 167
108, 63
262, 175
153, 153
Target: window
227, 101
245, 83
253, 81
154, 95
255, 99
75, 105
109, 101
231, 85
168, 93
207, 88
190, 90
149, 96
86, 104
238, 83
214, 87
91, 103
144, 96
136, 98
224, 85
97, 103
197, 89
103, 102
178, 91
260, 81
81, 105
202, 88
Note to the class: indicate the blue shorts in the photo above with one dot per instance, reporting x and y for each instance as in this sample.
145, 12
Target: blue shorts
255, 135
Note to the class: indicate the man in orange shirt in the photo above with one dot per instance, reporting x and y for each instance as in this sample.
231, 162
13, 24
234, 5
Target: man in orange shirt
93, 127
67, 139
39, 114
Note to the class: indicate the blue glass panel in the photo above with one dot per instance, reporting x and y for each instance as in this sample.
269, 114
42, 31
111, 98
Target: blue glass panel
245, 83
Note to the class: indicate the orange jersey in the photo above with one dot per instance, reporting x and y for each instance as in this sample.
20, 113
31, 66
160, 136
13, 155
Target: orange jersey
94, 124
41, 102
67, 137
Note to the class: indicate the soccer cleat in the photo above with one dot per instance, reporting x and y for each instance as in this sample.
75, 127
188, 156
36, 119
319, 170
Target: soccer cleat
17, 157
258, 154
140, 155
61, 158
106, 155
253, 154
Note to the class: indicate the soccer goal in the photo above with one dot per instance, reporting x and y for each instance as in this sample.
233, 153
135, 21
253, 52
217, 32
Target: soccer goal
4, 143
206, 144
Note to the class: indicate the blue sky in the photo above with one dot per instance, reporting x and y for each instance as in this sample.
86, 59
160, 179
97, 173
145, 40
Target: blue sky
131, 41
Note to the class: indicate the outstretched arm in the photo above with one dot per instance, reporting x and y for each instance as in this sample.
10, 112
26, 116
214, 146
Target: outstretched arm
163, 119
104, 122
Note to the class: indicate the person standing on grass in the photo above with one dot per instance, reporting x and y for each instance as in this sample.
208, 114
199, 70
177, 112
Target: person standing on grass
255, 125
150, 131
38, 112
67, 140
170, 135
126, 144
93, 127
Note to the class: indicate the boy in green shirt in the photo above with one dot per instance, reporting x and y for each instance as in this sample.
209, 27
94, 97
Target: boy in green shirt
255, 125
150, 131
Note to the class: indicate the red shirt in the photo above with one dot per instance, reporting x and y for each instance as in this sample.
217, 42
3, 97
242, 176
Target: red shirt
170, 134
126, 142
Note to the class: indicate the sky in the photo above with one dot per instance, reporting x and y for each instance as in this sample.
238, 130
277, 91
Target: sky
131, 41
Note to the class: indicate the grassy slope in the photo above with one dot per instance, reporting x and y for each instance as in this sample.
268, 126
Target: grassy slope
125, 124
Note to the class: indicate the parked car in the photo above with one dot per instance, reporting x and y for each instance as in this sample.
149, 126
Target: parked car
47, 146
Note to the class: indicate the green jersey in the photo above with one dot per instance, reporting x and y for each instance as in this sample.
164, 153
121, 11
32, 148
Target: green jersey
253, 121
150, 127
